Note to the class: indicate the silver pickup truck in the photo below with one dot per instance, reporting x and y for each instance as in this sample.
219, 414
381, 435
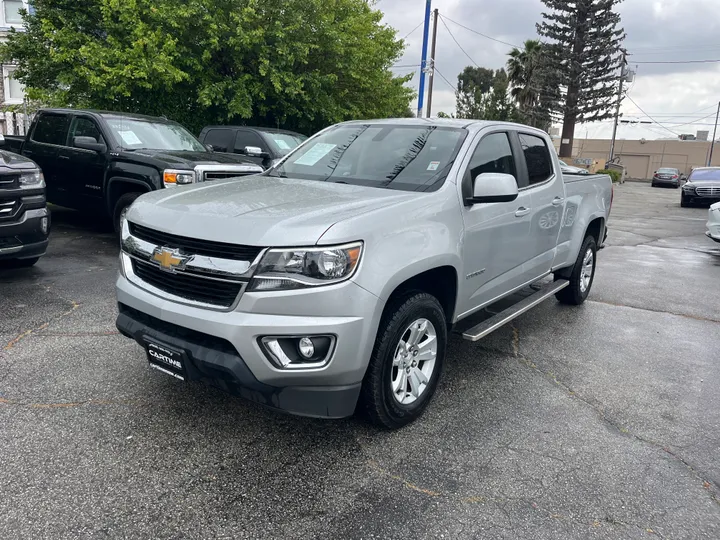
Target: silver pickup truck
331, 281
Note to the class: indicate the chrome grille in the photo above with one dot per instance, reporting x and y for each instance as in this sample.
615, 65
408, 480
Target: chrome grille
9, 182
208, 173
8, 208
206, 274
708, 191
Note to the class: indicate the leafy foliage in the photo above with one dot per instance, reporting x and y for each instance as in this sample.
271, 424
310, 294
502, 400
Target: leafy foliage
532, 84
301, 64
615, 175
483, 94
584, 54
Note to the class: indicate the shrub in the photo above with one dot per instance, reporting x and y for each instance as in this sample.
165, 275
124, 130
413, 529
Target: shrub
615, 175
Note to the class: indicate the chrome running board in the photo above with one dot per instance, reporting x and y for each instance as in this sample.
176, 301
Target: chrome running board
496, 321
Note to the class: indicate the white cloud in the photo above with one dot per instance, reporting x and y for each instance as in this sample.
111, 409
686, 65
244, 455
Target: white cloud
657, 30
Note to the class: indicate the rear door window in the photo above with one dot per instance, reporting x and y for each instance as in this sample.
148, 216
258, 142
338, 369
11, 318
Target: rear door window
51, 129
537, 158
220, 139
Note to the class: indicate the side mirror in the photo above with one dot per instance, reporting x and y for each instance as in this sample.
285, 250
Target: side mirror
209, 147
89, 143
494, 187
255, 151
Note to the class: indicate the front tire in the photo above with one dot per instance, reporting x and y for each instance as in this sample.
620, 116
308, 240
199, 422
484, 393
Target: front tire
121, 207
684, 202
582, 276
406, 361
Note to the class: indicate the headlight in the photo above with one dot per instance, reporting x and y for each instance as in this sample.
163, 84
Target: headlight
172, 177
286, 269
32, 180
688, 186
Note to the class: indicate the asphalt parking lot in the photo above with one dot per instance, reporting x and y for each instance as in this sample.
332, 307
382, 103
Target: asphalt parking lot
595, 422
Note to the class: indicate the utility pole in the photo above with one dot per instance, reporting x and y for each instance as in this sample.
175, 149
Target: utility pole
423, 61
432, 63
712, 144
623, 65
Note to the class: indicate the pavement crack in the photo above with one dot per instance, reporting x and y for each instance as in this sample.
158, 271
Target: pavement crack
73, 307
374, 465
695, 317
709, 486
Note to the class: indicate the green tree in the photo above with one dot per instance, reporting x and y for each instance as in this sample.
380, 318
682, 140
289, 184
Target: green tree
483, 94
585, 54
302, 64
531, 79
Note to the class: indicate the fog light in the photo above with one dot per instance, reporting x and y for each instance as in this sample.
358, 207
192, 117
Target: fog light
44, 225
306, 347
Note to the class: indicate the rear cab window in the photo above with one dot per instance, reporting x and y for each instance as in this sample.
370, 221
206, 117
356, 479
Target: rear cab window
537, 157
51, 129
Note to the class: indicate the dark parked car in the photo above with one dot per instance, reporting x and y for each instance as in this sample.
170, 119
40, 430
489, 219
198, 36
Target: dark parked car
101, 162
666, 177
24, 219
702, 186
264, 146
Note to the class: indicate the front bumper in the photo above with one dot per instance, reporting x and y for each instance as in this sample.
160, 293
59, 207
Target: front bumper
713, 226
224, 348
25, 239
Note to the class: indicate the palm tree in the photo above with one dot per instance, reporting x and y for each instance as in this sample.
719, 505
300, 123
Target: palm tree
526, 76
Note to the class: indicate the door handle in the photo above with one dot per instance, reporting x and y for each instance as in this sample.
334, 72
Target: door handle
63, 157
522, 211
557, 201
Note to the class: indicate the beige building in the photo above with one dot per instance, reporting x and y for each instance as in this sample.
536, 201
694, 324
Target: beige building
642, 158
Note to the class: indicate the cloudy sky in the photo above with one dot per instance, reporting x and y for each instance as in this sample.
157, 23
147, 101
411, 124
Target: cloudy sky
671, 94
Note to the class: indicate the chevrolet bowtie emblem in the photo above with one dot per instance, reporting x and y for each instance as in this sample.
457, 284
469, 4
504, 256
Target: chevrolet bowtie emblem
169, 259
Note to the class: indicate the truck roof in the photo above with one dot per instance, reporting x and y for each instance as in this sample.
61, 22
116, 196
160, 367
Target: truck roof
444, 122
259, 128
108, 113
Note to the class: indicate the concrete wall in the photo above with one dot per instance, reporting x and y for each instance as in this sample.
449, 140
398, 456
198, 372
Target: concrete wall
642, 159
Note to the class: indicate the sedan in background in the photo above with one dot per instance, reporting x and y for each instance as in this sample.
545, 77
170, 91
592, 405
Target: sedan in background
569, 169
713, 223
702, 187
666, 177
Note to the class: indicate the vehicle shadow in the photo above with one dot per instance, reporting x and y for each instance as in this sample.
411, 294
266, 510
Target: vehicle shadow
65, 218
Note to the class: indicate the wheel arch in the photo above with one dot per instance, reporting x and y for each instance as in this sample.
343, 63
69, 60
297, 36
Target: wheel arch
119, 186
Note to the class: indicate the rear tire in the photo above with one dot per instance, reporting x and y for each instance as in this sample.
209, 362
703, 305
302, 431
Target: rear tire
406, 361
653, 184
121, 207
582, 276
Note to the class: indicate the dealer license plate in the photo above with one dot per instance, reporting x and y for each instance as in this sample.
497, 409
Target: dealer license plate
166, 359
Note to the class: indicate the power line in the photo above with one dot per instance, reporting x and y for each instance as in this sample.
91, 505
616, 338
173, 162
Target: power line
451, 85
480, 33
650, 117
442, 19
679, 62
413, 30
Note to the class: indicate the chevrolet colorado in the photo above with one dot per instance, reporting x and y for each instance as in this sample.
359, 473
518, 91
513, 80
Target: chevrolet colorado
100, 162
331, 281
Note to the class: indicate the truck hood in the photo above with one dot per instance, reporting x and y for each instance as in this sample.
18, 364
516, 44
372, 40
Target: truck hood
260, 210
10, 160
187, 159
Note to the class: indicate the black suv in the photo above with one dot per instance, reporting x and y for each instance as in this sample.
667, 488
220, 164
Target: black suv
24, 219
100, 162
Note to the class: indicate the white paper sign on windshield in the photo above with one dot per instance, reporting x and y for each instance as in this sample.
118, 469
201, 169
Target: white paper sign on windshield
282, 145
130, 138
315, 154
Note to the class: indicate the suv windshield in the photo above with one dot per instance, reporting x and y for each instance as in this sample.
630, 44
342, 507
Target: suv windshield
136, 134
704, 175
284, 142
405, 157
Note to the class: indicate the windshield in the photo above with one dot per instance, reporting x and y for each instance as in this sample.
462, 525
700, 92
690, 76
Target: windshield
705, 175
284, 142
134, 134
668, 171
410, 158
